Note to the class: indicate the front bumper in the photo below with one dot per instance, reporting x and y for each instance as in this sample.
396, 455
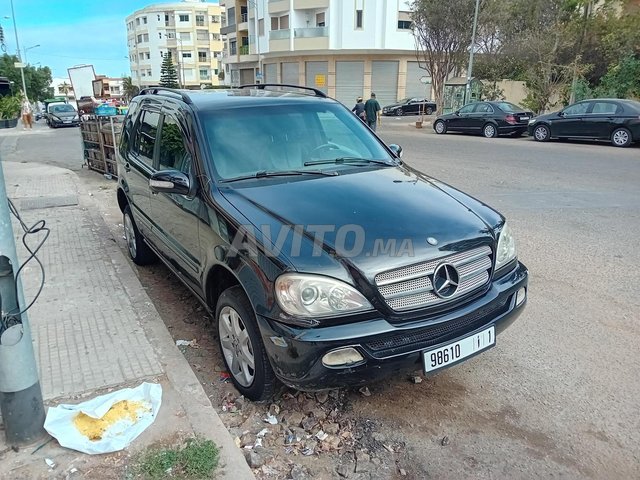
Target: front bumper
64, 123
387, 348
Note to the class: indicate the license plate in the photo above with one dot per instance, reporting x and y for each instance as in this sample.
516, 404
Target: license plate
522, 119
456, 351
66, 121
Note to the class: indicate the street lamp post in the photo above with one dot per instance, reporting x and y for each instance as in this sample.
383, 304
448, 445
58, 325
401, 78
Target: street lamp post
15, 29
467, 92
26, 50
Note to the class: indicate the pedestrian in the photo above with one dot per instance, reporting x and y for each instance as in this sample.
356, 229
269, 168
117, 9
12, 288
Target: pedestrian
372, 112
27, 114
358, 110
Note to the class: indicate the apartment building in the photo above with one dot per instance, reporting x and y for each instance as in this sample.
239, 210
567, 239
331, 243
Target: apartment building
189, 31
346, 48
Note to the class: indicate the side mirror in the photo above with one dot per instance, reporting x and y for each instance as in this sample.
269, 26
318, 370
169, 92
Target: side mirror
396, 149
561, 114
170, 181
457, 112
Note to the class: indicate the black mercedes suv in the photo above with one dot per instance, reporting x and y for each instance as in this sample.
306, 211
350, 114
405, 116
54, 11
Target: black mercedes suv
325, 260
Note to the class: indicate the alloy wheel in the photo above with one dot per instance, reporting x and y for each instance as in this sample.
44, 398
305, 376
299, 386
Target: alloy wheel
399, 112
620, 138
489, 131
541, 133
130, 236
439, 127
236, 346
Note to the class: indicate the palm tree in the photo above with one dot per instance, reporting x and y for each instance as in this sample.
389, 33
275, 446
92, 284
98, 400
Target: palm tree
64, 87
130, 90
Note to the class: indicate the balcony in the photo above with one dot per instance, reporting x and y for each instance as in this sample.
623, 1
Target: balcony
228, 29
244, 50
279, 34
311, 32
277, 6
307, 4
311, 38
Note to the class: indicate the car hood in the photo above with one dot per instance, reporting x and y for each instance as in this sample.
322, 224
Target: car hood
395, 105
358, 213
547, 117
65, 114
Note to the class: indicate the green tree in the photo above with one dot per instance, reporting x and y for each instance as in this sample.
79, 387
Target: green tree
168, 73
130, 90
442, 32
622, 80
38, 80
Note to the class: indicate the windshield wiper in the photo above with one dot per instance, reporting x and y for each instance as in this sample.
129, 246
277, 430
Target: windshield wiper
349, 160
284, 173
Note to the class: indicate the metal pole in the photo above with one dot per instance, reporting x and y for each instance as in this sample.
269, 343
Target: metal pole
20, 394
467, 92
15, 30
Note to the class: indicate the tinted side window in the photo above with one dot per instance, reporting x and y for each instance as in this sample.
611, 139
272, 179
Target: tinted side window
604, 108
145, 139
467, 108
577, 109
128, 128
173, 153
484, 108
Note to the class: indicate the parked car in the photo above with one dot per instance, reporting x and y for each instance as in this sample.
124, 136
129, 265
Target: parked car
324, 259
486, 118
410, 106
62, 115
614, 120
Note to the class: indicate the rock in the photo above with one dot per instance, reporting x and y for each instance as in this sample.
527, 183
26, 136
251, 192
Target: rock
319, 413
322, 397
247, 439
274, 409
365, 391
239, 403
344, 470
331, 428
309, 422
255, 457
403, 472
379, 437
332, 441
445, 441
363, 462
416, 379
334, 393
294, 419
298, 472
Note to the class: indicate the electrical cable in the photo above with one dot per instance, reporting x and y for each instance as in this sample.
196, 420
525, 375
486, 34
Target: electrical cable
39, 226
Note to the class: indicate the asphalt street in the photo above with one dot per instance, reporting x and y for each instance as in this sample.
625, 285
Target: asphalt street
558, 396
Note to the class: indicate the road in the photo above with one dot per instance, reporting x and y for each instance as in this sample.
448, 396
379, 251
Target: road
558, 396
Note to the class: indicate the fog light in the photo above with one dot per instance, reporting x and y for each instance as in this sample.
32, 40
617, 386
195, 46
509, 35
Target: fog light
522, 294
342, 357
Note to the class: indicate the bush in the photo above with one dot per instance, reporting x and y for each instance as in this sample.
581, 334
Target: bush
10, 107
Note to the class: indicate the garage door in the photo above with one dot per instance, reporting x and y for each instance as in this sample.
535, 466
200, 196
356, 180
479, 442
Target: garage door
316, 75
270, 73
349, 82
384, 81
290, 73
247, 76
415, 88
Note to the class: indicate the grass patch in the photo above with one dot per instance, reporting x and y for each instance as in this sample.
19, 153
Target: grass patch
197, 459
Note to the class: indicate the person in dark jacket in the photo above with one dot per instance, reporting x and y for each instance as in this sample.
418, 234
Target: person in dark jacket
359, 109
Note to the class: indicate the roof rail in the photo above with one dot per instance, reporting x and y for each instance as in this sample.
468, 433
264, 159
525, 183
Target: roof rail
157, 90
261, 86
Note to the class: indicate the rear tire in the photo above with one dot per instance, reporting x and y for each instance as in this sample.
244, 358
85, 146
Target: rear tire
621, 137
440, 127
241, 346
490, 130
429, 111
138, 250
541, 133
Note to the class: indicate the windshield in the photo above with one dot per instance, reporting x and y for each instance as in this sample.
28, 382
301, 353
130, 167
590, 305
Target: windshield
62, 108
509, 107
280, 138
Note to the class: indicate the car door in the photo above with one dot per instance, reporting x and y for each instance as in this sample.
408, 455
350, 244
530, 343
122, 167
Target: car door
570, 121
413, 106
481, 113
600, 120
461, 120
175, 217
138, 162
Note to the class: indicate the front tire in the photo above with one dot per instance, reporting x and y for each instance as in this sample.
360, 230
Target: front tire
490, 130
241, 346
429, 111
138, 250
440, 127
621, 137
541, 133
399, 112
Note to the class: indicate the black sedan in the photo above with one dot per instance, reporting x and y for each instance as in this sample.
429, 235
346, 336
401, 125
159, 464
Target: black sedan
410, 106
487, 118
614, 120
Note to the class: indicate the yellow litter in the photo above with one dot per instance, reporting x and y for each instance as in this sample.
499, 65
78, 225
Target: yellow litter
94, 428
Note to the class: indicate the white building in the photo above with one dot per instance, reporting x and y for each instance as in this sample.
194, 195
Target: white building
189, 31
344, 48
62, 88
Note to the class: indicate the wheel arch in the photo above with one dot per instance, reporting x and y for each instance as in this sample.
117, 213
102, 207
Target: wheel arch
218, 279
123, 201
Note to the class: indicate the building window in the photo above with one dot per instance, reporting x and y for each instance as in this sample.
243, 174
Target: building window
274, 23
171, 34
284, 22
185, 36
144, 20
148, 55
158, 17
358, 18
202, 57
215, 18
404, 24
320, 19
141, 56
139, 37
204, 74
149, 73
145, 37
200, 20
261, 27
183, 17
215, 36
202, 35
186, 54
144, 74
233, 48
166, 19
137, 21
231, 16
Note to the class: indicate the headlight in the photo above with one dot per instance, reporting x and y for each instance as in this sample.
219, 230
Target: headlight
57, 119
506, 247
532, 121
76, 117
303, 295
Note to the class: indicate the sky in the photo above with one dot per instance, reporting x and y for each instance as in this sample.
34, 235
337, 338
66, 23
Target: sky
72, 32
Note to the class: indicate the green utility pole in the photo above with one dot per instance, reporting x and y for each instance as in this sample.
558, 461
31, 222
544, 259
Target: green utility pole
20, 394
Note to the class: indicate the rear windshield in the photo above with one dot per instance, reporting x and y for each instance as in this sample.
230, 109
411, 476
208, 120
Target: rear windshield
509, 107
62, 108
275, 138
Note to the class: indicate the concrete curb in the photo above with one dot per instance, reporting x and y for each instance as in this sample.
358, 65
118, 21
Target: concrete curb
200, 413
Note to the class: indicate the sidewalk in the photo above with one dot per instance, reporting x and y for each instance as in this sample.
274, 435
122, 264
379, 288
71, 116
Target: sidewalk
95, 330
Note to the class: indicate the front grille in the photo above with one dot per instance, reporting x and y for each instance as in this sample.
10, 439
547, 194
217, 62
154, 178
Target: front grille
435, 334
411, 287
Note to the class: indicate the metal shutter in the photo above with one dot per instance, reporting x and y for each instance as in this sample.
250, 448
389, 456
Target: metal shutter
349, 82
415, 88
247, 76
384, 81
290, 73
270, 73
317, 73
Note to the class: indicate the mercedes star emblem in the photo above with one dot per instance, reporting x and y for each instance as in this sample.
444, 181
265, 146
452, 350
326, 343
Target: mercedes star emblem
432, 241
445, 280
